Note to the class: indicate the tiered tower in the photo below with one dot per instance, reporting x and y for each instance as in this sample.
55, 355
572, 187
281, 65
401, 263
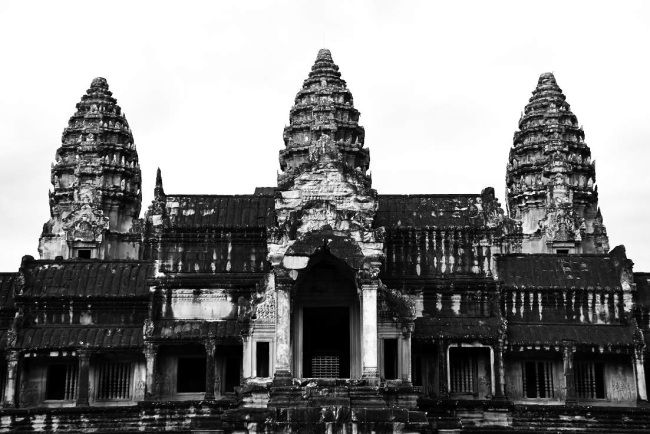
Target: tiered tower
96, 177
551, 179
323, 113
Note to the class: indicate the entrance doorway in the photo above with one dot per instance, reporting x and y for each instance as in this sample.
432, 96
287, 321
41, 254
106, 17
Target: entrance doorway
326, 345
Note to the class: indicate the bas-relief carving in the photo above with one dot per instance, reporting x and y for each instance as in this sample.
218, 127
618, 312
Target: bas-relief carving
202, 304
621, 383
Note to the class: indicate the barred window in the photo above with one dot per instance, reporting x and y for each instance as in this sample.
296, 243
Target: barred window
61, 382
538, 380
114, 380
463, 368
325, 366
590, 380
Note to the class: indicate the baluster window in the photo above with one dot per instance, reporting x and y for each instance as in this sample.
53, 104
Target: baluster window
114, 380
538, 380
463, 367
590, 380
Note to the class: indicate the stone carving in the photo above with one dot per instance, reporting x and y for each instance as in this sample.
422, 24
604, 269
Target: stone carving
265, 308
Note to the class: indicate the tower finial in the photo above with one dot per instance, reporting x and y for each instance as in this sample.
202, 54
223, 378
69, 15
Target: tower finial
324, 54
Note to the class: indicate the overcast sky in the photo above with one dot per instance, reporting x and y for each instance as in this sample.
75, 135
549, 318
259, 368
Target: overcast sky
207, 88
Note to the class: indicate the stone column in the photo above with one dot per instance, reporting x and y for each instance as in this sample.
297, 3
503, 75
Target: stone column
210, 346
151, 356
569, 379
500, 372
283, 331
443, 385
12, 377
84, 378
247, 357
369, 330
407, 331
642, 393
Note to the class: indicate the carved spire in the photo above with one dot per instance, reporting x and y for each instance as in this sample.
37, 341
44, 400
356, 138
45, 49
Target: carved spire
96, 173
550, 176
159, 192
156, 215
323, 122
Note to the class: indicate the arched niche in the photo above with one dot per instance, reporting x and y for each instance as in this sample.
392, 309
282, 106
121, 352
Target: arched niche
326, 325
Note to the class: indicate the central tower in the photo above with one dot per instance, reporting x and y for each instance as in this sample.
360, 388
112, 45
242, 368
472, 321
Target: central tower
325, 208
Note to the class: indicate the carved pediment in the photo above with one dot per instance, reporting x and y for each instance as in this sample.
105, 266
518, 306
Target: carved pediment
85, 223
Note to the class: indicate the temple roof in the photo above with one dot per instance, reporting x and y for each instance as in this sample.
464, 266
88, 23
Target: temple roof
642, 281
86, 278
6, 287
540, 270
587, 334
463, 328
429, 210
80, 336
220, 211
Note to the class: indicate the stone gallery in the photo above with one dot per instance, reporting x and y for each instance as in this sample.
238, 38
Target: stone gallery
319, 304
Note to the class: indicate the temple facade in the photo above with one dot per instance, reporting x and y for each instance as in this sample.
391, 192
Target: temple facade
319, 304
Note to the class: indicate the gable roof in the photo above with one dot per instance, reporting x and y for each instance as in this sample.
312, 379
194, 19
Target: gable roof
219, 211
429, 210
581, 334
6, 289
84, 278
547, 270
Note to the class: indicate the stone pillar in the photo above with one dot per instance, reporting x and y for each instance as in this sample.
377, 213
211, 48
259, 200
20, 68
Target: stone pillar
12, 377
569, 379
407, 375
283, 331
151, 356
500, 372
369, 330
642, 393
247, 357
84, 378
210, 346
443, 384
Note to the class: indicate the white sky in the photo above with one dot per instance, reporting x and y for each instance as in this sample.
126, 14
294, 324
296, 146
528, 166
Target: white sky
207, 89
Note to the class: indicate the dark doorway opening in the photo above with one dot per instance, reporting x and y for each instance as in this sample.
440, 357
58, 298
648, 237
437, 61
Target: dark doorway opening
56, 382
191, 375
326, 342
390, 359
262, 361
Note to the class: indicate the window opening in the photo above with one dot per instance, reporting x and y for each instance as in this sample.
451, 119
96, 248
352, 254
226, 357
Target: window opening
114, 381
262, 359
590, 380
563, 252
538, 380
190, 377
390, 359
61, 382
83, 253
463, 367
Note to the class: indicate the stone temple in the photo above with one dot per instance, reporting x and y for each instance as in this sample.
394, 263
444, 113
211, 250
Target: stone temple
319, 304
